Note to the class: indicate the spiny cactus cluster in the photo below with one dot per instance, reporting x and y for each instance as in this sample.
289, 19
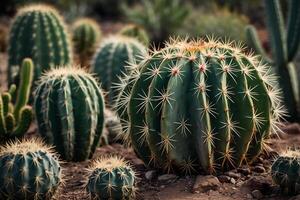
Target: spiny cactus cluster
28, 170
137, 32
38, 33
200, 103
86, 34
111, 57
111, 178
16, 119
69, 108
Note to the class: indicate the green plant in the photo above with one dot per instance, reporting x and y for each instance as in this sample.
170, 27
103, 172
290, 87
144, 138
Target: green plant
69, 108
111, 59
285, 171
199, 104
39, 33
284, 46
16, 119
111, 178
135, 31
28, 170
86, 34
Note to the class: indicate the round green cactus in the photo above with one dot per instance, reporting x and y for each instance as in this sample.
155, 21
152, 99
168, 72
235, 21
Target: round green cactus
137, 32
111, 178
199, 104
112, 57
69, 107
28, 170
86, 34
38, 32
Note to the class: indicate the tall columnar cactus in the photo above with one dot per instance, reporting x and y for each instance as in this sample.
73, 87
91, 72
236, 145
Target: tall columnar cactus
137, 32
28, 170
69, 108
111, 178
16, 119
199, 103
39, 33
111, 58
86, 34
284, 45
285, 171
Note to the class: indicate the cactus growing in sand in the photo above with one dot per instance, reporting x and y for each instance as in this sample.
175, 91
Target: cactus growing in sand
137, 32
111, 178
28, 170
200, 103
69, 108
39, 33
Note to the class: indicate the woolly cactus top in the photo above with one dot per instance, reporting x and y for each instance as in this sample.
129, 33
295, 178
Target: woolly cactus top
89, 21
109, 163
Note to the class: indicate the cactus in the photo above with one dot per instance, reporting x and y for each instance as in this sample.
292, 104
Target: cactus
28, 170
201, 103
137, 32
39, 33
285, 171
86, 34
69, 108
16, 119
111, 57
284, 46
111, 178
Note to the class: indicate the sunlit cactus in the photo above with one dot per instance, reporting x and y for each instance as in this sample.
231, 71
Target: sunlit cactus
199, 104
137, 32
111, 178
69, 108
28, 170
38, 32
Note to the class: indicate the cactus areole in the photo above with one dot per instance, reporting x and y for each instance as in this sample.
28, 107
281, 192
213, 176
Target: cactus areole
199, 104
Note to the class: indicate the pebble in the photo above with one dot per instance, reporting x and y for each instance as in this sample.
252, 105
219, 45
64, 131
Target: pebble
150, 175
233, 174
167, 178
259, 169
245, 171
239, 184
206, 183
232, 180
224, 179
249, 196
257, 194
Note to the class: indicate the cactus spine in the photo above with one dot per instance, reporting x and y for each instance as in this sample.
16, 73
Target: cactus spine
16, 119
284, 46
199, 103
69, 108
28, 170
39, 33
137, 32
111, 178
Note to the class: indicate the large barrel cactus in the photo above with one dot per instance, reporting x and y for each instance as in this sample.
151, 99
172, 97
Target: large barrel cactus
201, 104
39, 33
69, 109
28, 170
111, 59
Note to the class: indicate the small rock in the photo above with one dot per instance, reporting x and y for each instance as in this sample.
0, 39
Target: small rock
257, 194
259, 169
249, 196
245, 171
239, 184
232, 180
167, 178
261, 183
150, 175
206, 183
224, 179
233, 174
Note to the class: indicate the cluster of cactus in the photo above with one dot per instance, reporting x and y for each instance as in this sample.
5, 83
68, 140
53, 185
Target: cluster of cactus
69, 108
201, 103
28, 170
285, 172
111, 178
16, 119
137, 32
111, 57
39, 33
86, 34
284, 47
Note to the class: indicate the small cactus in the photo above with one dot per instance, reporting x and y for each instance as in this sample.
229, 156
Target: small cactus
86, 34
38, 32
16, 119
69, 108
28, 170
111, 178
137, 32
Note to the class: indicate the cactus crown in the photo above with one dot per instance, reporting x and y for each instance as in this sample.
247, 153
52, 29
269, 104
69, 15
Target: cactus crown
62, 71
108, 163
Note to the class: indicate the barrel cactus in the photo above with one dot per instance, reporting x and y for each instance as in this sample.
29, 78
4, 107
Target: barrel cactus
137, 32
28, 170
16, 119
199, 104
86, 34
39, 33
111, 59
69, 108
111, 178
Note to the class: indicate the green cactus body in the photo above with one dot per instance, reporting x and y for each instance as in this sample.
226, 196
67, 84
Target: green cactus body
29, 170
69, 108
137, 32
199, 103
39, 33
111, 178
86, 34
112, 57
